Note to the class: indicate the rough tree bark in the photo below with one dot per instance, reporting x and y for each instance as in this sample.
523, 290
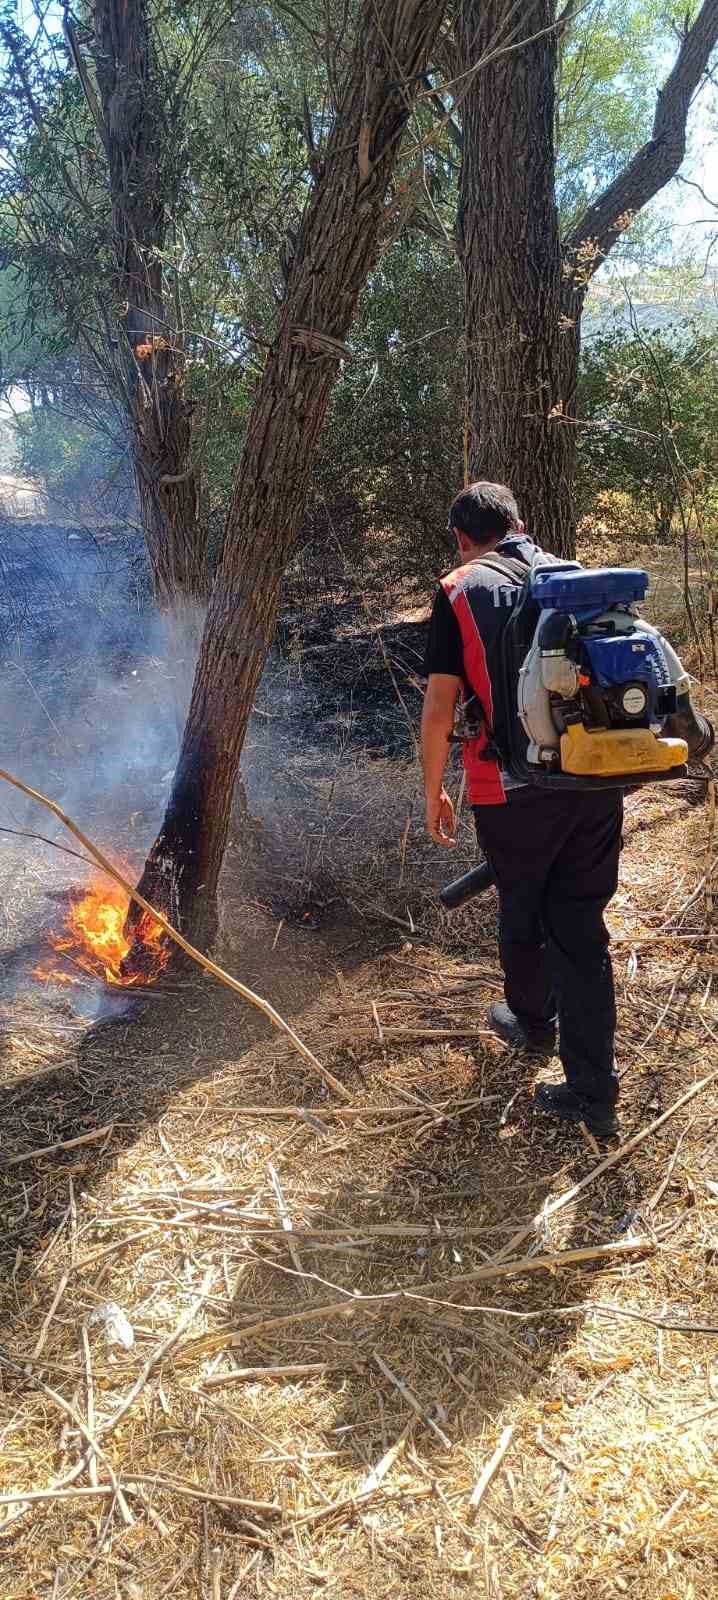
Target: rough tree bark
139, 142
524, 290
337, 246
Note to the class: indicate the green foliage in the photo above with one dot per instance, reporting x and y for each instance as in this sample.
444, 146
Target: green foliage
391, 455
650, 402
249, 97
606, 95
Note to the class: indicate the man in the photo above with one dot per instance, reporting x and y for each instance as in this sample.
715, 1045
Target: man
554, 855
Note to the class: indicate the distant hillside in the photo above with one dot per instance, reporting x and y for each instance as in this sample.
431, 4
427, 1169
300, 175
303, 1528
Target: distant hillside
607, 310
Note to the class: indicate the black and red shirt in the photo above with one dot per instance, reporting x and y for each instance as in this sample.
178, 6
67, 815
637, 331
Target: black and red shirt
467, 621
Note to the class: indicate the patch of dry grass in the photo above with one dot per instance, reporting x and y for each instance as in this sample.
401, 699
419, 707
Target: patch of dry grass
266, 1446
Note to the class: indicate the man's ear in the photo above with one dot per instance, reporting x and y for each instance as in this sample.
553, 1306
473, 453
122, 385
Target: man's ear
520, 527
463, 541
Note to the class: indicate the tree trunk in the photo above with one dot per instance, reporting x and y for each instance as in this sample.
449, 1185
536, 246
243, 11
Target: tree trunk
139, 143
521, 368
337, 246
524, 292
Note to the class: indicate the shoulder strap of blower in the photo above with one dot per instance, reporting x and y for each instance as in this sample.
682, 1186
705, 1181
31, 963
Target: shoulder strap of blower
516, 571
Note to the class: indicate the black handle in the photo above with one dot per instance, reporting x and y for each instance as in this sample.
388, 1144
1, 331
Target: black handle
474, 882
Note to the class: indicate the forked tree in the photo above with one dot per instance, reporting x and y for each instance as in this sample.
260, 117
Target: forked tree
525, 287
342, 232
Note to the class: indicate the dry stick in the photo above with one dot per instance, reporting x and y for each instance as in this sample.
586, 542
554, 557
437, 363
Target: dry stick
158, 1355
62, 1144
72, 1207
553, 1455
112, 1249
710, 841
408, 1300
90, 1391
306, 1369
696, 894
553, 1525
489, 1472
658, 1194
588, 1139
88, 1436
286, 1221
189, 949
353, 1504
216, 1572
610, 1161
57, 1487
40, 838
172, 1485
416, 1035
379, 1472
412, 1401
59, 1292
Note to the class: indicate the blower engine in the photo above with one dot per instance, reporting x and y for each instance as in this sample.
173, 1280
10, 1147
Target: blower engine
601, 694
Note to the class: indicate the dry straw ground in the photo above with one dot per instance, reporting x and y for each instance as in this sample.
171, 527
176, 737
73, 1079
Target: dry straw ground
418, 1344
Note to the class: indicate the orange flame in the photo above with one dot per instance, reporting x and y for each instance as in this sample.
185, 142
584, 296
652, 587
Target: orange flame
94, 940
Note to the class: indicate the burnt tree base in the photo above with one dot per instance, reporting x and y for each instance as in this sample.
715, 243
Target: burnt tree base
180, 877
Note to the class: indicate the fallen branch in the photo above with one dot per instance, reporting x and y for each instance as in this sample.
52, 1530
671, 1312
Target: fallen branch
407, 1299
62, 1144
170, 1485
178, 938
489, 1472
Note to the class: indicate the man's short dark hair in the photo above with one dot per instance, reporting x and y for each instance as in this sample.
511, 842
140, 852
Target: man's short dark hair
484, 511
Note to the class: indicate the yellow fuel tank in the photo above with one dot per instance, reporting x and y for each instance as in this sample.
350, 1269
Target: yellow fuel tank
615, 752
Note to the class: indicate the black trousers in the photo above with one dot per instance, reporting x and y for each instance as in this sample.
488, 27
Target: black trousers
555, 860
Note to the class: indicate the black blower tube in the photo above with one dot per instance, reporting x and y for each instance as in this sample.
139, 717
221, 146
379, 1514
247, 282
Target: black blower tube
474, 882
685, 723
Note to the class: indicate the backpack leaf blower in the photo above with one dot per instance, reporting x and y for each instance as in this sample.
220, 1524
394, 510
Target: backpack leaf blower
593, 696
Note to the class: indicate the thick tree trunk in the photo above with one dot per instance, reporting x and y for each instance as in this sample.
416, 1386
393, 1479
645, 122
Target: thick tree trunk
524, 291
521, 367
336, 249
139, 145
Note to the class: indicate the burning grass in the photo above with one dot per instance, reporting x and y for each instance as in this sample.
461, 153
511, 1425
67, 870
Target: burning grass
93, 941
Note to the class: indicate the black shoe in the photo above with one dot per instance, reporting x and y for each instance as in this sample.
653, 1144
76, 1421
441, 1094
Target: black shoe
557, 1100
539, 1040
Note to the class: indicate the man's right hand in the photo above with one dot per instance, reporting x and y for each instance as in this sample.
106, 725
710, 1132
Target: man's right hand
441, 819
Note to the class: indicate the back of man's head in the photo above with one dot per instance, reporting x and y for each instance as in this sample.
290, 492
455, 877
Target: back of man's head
484, 511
